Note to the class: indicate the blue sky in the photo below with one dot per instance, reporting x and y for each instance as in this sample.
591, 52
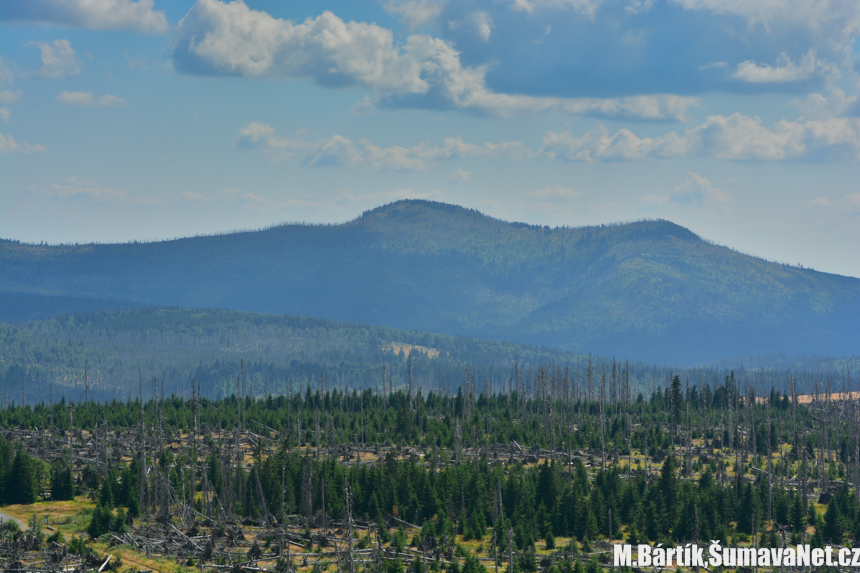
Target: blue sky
124, 120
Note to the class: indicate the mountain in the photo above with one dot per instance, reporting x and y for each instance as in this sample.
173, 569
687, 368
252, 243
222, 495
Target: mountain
650, 290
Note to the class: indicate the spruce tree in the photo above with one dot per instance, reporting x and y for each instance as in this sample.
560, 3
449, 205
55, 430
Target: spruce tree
20, 484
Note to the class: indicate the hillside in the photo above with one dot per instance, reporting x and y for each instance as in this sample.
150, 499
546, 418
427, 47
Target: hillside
649, 290
280, 353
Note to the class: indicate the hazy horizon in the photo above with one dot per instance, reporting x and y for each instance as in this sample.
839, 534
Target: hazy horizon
336, 223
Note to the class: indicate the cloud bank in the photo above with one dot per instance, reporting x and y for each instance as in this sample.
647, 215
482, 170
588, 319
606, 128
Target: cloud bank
87, 98
88, 14
736, 137
215, 38
337, 150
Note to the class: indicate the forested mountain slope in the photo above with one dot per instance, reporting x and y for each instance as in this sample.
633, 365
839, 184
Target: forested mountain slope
648, 290
119, 351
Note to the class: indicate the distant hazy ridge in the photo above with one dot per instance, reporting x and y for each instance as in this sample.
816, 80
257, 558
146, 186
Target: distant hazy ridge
650, 290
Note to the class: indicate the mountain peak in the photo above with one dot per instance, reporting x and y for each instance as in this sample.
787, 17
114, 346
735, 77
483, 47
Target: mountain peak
412, 207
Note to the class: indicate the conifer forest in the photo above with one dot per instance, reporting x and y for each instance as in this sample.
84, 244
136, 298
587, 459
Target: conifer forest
541, 473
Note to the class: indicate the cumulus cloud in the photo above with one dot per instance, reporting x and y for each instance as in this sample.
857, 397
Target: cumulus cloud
89, 14
215, 38
624, 145
744, 138
58, 59
192, 198
639, 6
459, 176
849, 203
735, 137
415, 13
256, 135
697, 189
9, 145
87, 98
611, 49
786, 70
835, 104
584, 7
479, 23
337, 150
817, 14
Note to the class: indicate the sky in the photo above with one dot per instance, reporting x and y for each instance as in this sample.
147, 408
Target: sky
130, 120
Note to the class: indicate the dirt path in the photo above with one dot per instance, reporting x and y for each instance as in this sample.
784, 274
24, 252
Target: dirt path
5, 517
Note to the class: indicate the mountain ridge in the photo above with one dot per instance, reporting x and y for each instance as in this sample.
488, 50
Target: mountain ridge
651, 289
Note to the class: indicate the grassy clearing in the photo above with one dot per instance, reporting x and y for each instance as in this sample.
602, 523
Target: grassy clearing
59, 512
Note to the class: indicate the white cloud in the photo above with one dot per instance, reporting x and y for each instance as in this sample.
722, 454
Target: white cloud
849, 203
455, 147
5, 114
424, 72
140, 63
843, 16
697, 189
584, 7
87, 98
58, 59
837, 103
598, 145
415, 13
555, 192
459, 176
72, 188
821, 202
248, 199
337, 150
76, 98
109, 100
232, 39
480, 23
192, 198
9, 145
255, 133
786, 70
639, 6
736, 137
89, 14
7, 96
744, 138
